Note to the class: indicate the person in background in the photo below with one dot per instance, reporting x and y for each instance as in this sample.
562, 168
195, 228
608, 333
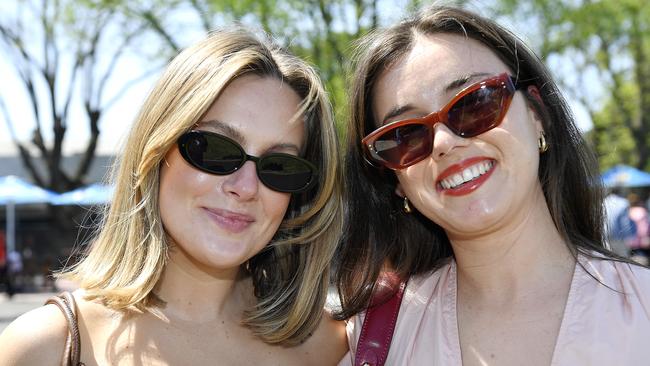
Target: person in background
4, 276
639, 241
468, 178
14, 270
217, 245
619, 227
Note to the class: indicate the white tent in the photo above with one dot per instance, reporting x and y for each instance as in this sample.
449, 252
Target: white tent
93, 194
15, 191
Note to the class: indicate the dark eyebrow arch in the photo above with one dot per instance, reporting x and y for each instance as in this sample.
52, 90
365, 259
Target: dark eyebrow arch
235, 134
396, 111
461, 81
454, 85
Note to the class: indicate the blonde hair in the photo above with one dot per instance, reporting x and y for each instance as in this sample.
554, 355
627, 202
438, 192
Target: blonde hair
291, 276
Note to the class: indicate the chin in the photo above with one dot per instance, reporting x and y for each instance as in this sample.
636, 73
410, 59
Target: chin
473, 223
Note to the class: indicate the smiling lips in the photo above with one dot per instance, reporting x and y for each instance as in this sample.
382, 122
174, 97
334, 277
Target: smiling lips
465, 177
230, 221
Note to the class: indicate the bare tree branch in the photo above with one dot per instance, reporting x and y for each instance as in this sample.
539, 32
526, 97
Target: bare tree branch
113, 62
158, 28
130, 84
43, 78
7, 118
329, 34
25, 156
203, 15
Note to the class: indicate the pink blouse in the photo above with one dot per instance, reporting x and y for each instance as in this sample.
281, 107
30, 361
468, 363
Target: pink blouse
601, 326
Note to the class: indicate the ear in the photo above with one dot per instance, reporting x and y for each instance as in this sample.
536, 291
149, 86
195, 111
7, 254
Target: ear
533, 91
399, 191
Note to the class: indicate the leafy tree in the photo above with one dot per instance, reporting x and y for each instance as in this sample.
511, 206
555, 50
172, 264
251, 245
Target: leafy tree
607, 41
65, 53
317, 30
613, 138
78, 43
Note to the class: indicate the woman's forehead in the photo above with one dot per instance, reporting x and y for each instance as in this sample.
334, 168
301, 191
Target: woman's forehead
429, 73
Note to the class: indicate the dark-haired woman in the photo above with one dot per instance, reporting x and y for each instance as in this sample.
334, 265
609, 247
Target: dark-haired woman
469, 179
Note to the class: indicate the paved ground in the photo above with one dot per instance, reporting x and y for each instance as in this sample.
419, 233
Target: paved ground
19, 304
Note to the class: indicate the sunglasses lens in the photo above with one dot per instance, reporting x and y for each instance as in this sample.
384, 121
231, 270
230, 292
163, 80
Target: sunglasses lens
217, 154
285, 173
211, 152
404, 144
477, 112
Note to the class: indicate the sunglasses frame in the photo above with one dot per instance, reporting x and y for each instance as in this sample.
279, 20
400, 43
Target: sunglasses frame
182, 143
503, 80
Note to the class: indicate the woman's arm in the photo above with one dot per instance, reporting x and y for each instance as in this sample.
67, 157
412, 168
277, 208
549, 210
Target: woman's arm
35, 338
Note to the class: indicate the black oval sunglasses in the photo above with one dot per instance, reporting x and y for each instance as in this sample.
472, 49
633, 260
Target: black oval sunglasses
217, 154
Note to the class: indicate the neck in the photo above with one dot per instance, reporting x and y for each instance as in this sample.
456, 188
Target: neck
516, 259
194, 293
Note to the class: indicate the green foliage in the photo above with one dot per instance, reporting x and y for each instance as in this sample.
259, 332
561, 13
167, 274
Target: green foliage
611, 37
613, 140
318, 30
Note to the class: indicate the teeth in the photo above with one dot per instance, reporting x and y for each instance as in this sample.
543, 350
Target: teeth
466, 175
457, 179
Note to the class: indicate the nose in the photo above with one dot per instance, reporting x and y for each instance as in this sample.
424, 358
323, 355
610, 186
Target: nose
243, 183
444, 141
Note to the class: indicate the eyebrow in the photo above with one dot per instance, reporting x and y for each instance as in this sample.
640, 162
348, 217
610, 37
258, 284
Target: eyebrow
235, 134
453, 85
464, 79
396, 111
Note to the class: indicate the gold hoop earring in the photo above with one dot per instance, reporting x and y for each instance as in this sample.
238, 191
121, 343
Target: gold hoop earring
542, 145
407, 207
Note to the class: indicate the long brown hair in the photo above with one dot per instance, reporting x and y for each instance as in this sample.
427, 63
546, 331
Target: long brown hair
378, 231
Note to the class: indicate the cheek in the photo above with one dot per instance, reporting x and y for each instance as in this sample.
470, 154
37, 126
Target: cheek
521, 125
417, 183
416, 178
275, 206
179, 186
172, 196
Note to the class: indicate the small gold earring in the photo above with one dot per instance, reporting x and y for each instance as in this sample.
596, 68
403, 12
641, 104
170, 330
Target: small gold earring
407, 207
541, 143
166, 163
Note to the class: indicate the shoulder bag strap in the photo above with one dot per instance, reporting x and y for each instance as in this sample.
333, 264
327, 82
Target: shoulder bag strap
65, 301
377, 330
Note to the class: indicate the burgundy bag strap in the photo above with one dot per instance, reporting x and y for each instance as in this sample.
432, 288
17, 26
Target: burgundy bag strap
377, 330
66, 303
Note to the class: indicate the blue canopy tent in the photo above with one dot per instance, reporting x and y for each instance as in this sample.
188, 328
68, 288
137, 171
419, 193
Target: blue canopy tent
14, 191
93, 194
625, 176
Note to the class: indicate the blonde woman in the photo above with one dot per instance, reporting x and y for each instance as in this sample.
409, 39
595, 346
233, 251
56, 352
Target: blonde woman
217, 245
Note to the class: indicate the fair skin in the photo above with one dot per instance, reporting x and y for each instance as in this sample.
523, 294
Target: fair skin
215, 224
514, 269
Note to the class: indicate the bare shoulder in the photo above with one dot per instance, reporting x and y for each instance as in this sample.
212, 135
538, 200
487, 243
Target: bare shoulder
35, 338
328, 344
